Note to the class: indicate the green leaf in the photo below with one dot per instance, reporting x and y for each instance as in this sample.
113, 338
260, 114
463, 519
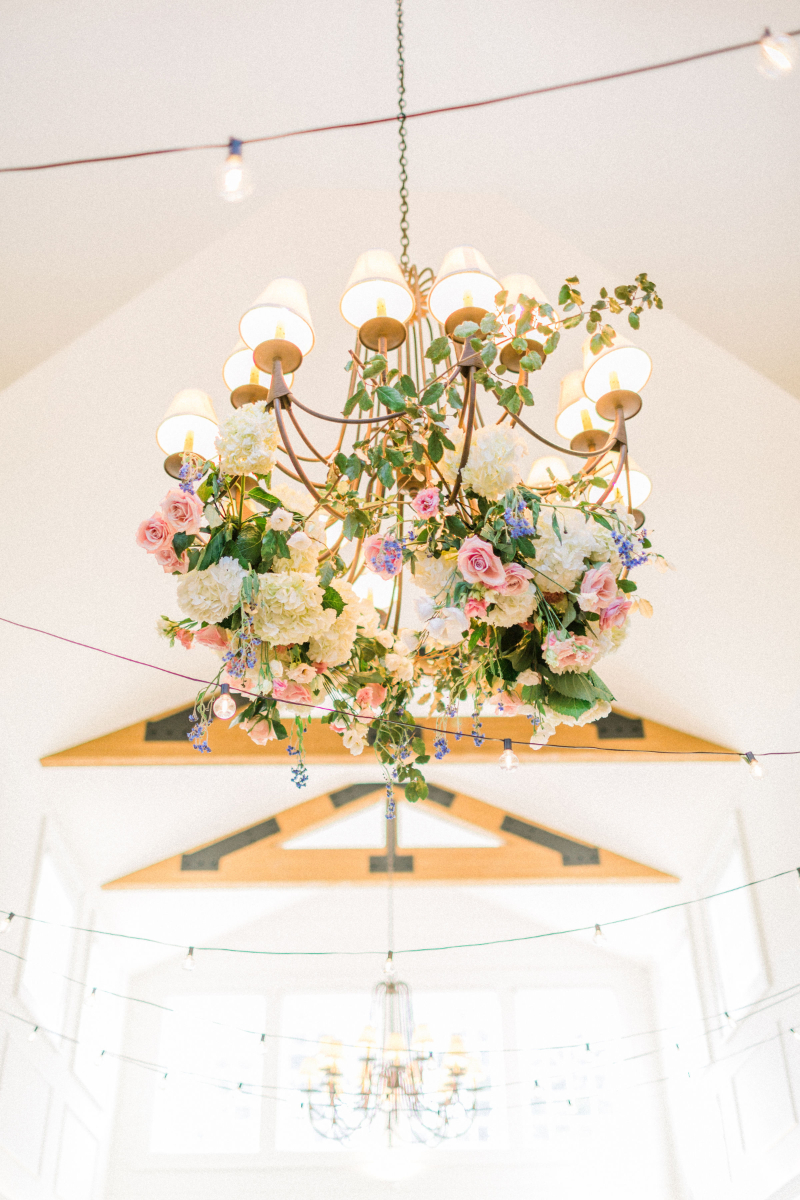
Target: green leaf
489, 324
438, 350
573, 684
181, 541
466, 329
326, 575
247, 547
626, 585
525, 393
500, 299
395, 457
552, 342
416, 789
531, 362
554, 523
633, 320
523, 324
432, 393
391, 398
213, 551
374, 366
564, 294
332, 599
341, 462
418, 450
261, 497
567, 705
350, 404
600, 687
435, 448
352, 525
353, 467
571, 322
453, 399
489, 353
407, 385
457, 526
386, 474
601, 520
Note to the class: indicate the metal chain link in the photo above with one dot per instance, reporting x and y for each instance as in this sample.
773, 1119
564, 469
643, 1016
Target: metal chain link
401, 108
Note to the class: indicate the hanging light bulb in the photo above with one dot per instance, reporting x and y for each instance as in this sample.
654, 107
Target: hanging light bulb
389, 969
756, 769
776, 55
5, 924
188, 962
33, 1034
224, 705
730, 1021
162, 1083
262, 1044
235, 182
508, 759
795, 1032
91, 999
101, 1057
598, 937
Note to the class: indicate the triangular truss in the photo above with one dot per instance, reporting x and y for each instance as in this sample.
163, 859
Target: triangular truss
258, 855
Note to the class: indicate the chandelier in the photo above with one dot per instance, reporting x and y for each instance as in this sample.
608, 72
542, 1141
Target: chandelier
291, 557
417, 1094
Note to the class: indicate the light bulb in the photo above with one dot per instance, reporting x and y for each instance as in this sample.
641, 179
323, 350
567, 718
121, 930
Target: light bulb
508, 759
101, 1057
234, 182
91, 999
162, 1083
798, 877
599, 938
776, 54
389, 969
795, 1033
188, 962
730, 1021
224, 705
5, 924
262, 1044
33, 1034
756, 769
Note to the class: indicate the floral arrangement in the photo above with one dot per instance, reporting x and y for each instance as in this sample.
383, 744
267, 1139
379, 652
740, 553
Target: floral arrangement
523, 589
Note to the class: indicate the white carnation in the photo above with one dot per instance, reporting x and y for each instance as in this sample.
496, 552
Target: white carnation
248, 441
512, 610
213, 594
433, 575
493, 464
290, 608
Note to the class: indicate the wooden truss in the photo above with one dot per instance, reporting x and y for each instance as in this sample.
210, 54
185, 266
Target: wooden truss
258, 855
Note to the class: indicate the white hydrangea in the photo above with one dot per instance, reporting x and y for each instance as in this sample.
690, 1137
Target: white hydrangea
248, 441
559, 564
612, 640
213, 594
433, 575
295, 499
512, 610
494, 462
290, 608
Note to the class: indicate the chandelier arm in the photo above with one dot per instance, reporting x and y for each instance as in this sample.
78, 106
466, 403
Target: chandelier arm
294, 459
319, 457
302, 457
623, 458
346, 420
561, 449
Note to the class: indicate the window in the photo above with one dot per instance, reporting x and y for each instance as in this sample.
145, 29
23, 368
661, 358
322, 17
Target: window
734, 934
49, 949
197, 1110
308, 1017
568, 1086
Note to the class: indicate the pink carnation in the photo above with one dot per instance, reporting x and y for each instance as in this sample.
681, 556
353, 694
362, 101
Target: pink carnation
426, 502
155, 533
478, 563
383, 555
166, 557
598, 589
182, 510
475, 608
516, 580
569, 653
616, 614
260, 732
371, 696
291, 693
212, 636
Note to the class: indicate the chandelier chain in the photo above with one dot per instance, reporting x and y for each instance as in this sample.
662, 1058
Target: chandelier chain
401, 108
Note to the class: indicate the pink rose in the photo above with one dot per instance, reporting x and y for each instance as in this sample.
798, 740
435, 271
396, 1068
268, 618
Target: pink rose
598, 589
291, 693
426, 502
154, 533
183, 511
569, 653
168, 559
616, 614
383, 555
516, 581
260, 732
371, 696
475, 608
478, 563
212, 636
184, 637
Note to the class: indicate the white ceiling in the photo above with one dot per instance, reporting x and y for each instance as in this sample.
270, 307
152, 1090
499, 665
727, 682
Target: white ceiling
691, 174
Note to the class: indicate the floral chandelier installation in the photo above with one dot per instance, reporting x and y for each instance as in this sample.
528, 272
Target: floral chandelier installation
526, 585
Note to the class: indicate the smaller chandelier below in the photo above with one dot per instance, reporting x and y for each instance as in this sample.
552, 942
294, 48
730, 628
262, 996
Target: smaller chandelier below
397, 1079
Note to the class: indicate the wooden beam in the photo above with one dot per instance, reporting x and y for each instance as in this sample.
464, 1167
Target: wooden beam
256, 856
143, 744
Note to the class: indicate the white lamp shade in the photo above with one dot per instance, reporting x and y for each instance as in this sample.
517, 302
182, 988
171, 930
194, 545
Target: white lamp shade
465, 280
640, 482
621, 366
540, 476
279, 312
575, 411
240, 369
522, 285
192, 411
376, 288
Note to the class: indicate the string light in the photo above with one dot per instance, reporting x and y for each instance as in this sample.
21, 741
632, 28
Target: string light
235, 183
508, 759
730, 1021
775, 55
795, 1032
34, 1033
599, 938
262, 1043
188, 962
91, 999
225, 705
162, 1083
756, 769
5, 924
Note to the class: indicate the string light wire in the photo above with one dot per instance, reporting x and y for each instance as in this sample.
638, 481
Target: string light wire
402, 116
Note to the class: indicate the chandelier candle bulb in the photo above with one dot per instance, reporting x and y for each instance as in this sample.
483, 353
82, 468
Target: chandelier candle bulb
465, 283
756, 770
189, 417
622, 368
376, 288
5, 924
235, 183
280, 313
225, 705
577, 413
243, 379
188, 962
508, 759
640, 483
776, 55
